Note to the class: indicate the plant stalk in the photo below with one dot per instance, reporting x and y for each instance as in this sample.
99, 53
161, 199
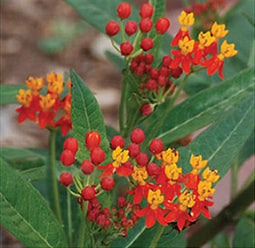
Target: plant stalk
69, 219
234, 178
53, 175
226, 217
157, 237
83, 226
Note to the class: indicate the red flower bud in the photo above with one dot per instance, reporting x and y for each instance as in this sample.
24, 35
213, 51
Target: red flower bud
106, 212
97, 156
161, 80
134, 150
153, 169
66, 178
128, 165
151, 85
126, 48
146, 10
71, 144
88, 193
124, 233
176, 72
162, 25
112, 28
148, 58
154, 73
100, 220
121, 202
146, 44
107, 224
131, 28
164, 71
145, 25
124, 10
166, 61
117, 141
107, 183
67, 157
146, 109
137, 136
142, 159
92, 215
93, 140
125, 223
156, 146
87, 167
121, 213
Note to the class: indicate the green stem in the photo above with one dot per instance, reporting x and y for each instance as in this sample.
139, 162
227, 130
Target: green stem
234, 178
69, 219
157, 236
226, 217
122, 108
122, 30
83, 226
53, 175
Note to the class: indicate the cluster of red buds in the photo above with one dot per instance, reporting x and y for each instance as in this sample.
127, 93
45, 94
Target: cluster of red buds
206, 12
43, 109
172, 197
131, 27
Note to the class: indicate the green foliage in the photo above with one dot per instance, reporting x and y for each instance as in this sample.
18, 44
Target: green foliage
25, 213
8, 93
86, 116
205, 107
224, 139
29, 162
244, 232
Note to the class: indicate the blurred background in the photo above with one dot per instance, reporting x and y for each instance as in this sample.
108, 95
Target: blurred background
42, 36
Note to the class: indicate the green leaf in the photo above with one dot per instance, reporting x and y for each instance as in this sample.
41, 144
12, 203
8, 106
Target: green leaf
31, 163
86, 116
223, 140
117, 60
25, 213
8, 93
206, 107
221, 240
244, 233
140, 236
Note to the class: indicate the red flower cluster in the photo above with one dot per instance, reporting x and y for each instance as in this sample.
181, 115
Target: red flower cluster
43, 109
206, 12
145, 25
195, 53
173, 197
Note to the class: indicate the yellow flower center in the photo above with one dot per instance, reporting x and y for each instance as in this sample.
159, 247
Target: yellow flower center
228, 50
119, 156
218, 30
210, 175
186, 45
173, 172
205, 190
35, 84
197, 163
187, 200
25, 97
170, 156
154, 198
139, 175
205, 39
55, 83
46, 102
186, 19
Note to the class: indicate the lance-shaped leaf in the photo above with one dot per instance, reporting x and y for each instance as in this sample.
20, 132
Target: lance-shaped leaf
221, 143
25, 213
86, 116
205, 107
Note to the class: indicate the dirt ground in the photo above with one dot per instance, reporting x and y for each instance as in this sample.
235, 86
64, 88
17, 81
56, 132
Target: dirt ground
24, 24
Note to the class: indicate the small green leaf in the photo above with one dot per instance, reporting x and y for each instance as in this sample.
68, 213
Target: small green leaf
8, 93
86, 116
244, 233
25, 213
205, 107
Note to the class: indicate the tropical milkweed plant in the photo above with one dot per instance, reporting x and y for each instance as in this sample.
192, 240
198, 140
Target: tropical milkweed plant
146, 183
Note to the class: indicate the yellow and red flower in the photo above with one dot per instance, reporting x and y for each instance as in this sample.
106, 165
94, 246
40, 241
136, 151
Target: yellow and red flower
120, 157
153, 210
